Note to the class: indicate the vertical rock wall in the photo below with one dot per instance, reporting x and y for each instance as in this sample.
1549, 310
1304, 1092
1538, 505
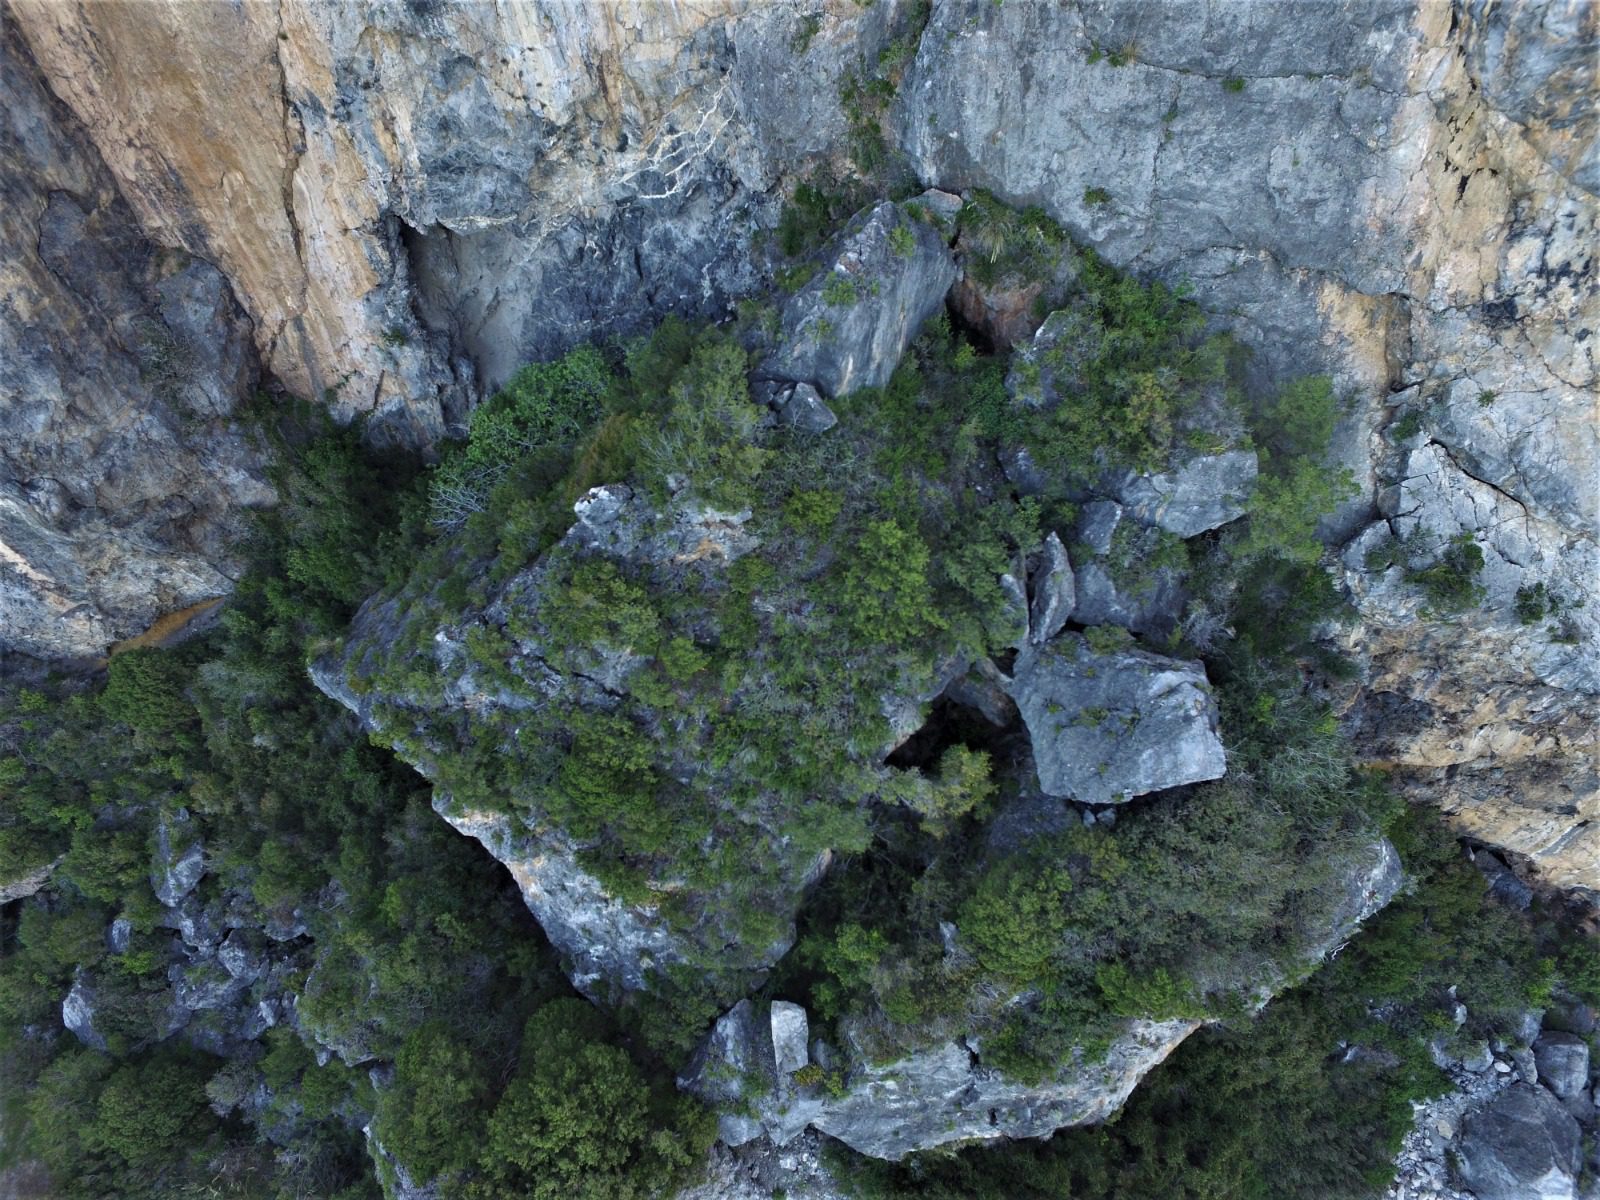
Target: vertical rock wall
121, 482
410, 199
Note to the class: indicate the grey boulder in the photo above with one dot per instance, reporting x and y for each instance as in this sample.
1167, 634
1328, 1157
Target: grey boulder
803, 409
77, 1014
1563, 1061
1151, 605
1201, 494
1108, 727
175, 873
881, 278
1522, 1146
1054, 592
790, 1032
733, 1068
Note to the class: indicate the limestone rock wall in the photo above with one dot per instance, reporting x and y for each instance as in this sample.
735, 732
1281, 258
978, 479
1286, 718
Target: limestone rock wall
408, 200
1403, 195
121, 479
411, 200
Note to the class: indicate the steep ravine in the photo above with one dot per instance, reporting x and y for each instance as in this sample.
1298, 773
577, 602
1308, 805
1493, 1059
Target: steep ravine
408, 202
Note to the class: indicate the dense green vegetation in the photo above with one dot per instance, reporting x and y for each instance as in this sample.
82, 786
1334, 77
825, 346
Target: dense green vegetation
717, 724
399, 921
1308, 1100
744, 702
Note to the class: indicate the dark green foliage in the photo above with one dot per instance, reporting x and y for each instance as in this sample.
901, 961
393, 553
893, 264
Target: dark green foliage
579, 1121
1139, 357
1272, 1108
711, 432
884, 595
1450, 579
429, 1117
119, 1130
144, 690
539, 413
1234, 84
1407, 426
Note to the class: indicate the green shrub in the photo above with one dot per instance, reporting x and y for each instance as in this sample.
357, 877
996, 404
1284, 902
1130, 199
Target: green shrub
884, 595
1450, 582
579, 1121
712, 432
542, 409
841, 291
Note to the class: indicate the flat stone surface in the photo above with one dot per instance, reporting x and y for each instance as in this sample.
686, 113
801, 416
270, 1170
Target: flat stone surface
1563, 1061
790, 1032
1108, 727
1199, 495
1522, 1146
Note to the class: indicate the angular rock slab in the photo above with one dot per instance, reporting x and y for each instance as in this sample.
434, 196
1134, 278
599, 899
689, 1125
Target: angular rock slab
790, 1035
803, 409
1108, 727
1563, 1061
1201, 494
846, 329
1054, 592
174, 874
77, 1014
1522, 1146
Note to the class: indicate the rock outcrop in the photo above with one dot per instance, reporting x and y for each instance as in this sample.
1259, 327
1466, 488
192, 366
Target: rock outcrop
180, 860
408, 205
945, 1093
1400, 194
1106, 727
122, 479
1522, 1146
880, 279
1194, 496
610, 944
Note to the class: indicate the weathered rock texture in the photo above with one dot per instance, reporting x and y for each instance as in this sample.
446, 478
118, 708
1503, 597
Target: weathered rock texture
408, 200
121, 481
946, 1093
1108, 727
1402, 194
1522, 1146
847, 328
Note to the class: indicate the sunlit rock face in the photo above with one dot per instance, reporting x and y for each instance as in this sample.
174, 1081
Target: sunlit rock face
392, 206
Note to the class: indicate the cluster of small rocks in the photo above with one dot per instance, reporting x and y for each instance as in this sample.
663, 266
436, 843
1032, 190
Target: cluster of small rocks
229, 970
1514, 1125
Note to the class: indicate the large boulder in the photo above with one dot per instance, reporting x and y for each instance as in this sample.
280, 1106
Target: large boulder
175, 872
881, 278
1108, 727
1522, 1146
1129, 575
1053, 592
77, 1014
1201, 494
790, 1034
1563, 1061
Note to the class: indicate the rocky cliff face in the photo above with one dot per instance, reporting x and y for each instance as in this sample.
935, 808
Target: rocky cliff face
408, 201
121, 483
